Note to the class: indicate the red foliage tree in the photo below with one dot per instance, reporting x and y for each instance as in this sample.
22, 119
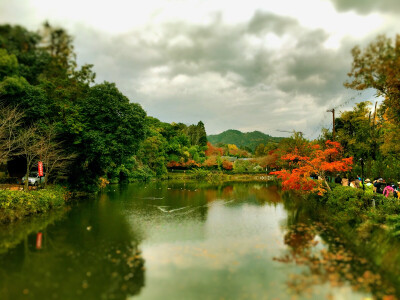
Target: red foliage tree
213, 151
227, 165
318, 161
184, 165
191, 164
173, 164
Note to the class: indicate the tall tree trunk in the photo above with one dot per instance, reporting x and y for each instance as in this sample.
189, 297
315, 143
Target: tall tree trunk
327, 185
26, 184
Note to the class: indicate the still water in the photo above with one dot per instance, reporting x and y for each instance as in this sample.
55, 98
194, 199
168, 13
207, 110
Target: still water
180, 241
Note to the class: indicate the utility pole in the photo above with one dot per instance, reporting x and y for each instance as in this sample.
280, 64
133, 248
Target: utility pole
333, 119
362, 172
373, 121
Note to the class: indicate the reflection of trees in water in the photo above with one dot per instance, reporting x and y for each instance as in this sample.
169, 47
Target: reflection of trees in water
143, 199
14, 233
256, 192
200, 193
93, 254
227, 191
267, 194
334, 264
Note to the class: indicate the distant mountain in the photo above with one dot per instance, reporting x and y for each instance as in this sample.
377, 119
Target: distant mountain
242, 139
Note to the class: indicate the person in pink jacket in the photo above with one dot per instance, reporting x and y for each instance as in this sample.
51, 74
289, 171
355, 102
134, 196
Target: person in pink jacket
388, 191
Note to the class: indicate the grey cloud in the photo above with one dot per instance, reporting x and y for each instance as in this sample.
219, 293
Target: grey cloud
216, 47
368, 6
320, 74
268, 22
272, 81
316, 70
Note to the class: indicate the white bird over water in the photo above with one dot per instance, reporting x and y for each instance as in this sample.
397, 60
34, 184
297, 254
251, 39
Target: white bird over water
171, 210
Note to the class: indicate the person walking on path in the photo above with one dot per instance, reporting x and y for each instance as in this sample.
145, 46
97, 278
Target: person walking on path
358, 183
396, 193
379, 186
388, 191
353, 183
369, 187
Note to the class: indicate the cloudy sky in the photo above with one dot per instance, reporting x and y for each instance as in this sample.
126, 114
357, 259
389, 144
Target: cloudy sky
248, 65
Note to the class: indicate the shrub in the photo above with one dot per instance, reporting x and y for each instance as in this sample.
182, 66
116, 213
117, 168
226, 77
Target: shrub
200, 173
141, 173
210, 176
350, 205
242, 166
258, 169
17, 204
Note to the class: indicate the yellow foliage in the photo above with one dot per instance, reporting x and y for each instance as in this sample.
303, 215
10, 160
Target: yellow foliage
232, 147
103, 182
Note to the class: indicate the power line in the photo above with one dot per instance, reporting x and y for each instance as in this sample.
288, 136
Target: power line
349, 99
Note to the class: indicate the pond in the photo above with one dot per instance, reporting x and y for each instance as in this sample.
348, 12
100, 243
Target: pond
188, 240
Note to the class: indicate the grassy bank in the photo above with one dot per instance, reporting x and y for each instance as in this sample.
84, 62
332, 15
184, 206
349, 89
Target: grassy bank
18, 204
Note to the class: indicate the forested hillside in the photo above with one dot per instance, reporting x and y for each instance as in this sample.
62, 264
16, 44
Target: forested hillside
247, 139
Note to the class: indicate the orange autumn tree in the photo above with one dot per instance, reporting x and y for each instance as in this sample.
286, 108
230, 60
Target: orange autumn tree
227, 165
213, 151
318, 161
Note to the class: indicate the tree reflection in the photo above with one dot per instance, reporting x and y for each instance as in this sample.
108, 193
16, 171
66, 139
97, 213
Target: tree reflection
92, 254
257, 192
14, 233
332, 263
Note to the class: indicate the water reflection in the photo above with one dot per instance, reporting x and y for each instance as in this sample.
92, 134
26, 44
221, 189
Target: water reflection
13, 234
216, 243
191, 240
330, 260
91, 254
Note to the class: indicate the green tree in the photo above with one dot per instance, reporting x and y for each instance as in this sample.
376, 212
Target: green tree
17, 92
113, 129
201, 134
58, 44
355, 132
24, 44
8, 64
259, 150
377, 67
153, 154
197, 134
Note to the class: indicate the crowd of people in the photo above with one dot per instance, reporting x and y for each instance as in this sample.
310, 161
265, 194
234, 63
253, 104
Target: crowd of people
379, 185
